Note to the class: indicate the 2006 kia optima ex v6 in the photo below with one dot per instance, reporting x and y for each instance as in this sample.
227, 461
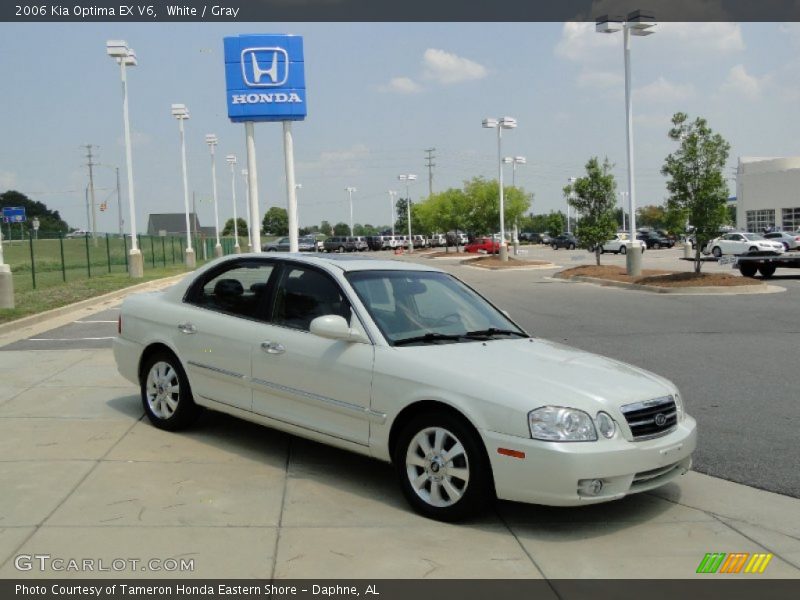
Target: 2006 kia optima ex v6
406, 364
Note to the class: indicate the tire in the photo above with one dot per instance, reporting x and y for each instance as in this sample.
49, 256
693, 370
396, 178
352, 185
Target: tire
602, 250
572, 247
427, 479
752, 249
766, 271
656, 246
747, 270
623, 250
340, 249
555, 246
272, 249
166, 407
716, 251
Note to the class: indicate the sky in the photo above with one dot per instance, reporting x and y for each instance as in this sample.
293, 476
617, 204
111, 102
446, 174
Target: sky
378, 96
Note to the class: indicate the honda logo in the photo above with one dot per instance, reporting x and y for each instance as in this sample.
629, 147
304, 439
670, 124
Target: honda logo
265, 67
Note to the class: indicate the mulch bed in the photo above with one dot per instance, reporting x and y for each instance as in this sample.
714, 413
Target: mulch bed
494, 262
659, 278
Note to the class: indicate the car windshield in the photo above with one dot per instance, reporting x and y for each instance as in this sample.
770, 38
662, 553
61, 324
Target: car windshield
420, 307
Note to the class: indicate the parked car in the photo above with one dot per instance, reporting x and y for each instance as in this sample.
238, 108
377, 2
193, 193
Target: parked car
790, 241
485, 244
742, 243
359, 243
534, 238
339, 243
457, 239
618, 244
437, 240
78, 233
400, 362
565, 240
655, 240
304, 244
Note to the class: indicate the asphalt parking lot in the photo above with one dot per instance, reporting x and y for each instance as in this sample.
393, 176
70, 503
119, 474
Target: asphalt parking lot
84, 475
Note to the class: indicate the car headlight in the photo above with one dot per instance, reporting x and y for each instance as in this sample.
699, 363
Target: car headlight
679, 406
558, 424
606, 425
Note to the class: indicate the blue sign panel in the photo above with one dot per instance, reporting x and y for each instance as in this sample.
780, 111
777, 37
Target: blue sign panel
265, 78
14, 214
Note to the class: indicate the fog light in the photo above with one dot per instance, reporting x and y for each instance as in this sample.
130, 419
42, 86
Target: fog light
590, 487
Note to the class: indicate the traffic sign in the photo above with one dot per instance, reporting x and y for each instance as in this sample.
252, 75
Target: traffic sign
14, 214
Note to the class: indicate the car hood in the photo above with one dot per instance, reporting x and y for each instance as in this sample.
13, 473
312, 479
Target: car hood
527, 373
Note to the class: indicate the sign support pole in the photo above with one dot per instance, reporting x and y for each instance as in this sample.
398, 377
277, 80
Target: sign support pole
252, 183
291, 189
6, 281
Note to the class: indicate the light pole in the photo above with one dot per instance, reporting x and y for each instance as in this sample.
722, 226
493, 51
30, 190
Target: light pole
246, 175
500, 124
212, 141
623, 201
231, 160
571, 181
180, 112
637, 23
392, 195
514, 161
126, 57
297, 187
350, 191
6, 280
408, 178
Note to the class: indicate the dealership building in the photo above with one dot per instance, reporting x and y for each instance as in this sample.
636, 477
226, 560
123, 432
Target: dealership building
768, 193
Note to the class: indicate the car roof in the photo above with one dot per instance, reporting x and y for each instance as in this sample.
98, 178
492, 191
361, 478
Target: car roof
344, 262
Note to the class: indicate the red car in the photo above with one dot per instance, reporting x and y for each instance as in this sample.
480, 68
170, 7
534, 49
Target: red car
488, 245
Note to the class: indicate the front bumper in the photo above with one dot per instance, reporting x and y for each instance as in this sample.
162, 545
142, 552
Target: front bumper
551, 471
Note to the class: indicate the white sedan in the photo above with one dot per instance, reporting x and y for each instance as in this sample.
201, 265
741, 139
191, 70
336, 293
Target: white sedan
742, 243
618, 244
409, 365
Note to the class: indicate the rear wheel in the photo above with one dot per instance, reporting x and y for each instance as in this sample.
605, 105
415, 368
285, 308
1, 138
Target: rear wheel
716, 251
572, 246
752, 249
555, 246
747, 270
442, 467
656, 246
623, 250
166, 395
766, 271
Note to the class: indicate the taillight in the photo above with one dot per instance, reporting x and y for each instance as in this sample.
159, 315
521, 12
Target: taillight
119, 325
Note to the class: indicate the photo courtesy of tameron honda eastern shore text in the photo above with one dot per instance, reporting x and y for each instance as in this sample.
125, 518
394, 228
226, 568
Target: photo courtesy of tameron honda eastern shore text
407, 364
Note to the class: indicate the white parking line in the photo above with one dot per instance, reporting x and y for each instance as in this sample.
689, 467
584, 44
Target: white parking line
69, 339
87, 322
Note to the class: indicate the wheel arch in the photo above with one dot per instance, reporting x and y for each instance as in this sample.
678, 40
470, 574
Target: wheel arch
150, 350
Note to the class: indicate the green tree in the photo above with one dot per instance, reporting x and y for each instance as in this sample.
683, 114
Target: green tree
443, 212
341, 229
276, 221
401, 224
696, 181
594, 197
651, 216
555, 223
49, 220
241, 225
483, 196
325, 228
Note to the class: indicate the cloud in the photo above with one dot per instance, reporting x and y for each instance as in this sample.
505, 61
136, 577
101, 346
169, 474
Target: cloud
354, 153
401, 85
662, 90
743, 85
8, 180
581, 43
717, 38
600, 79
446, 68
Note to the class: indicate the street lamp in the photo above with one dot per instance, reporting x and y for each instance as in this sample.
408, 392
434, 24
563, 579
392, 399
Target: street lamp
514, 161
180, 112
246, 175
408, 178
571, 181
231, 160
126, 57
500, 124
392, 195
640, 24
350, 191
212, 141
297, 186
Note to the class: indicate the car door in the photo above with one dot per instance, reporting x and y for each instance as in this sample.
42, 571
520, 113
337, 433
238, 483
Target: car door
316, 383
217, 331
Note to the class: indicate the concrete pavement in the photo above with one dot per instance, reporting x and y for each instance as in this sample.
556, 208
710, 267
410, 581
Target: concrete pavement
85, 476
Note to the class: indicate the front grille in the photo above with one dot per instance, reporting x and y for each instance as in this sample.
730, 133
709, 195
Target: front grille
651, 418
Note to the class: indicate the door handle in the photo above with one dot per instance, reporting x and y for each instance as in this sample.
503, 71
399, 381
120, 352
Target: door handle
273, 348
187, 328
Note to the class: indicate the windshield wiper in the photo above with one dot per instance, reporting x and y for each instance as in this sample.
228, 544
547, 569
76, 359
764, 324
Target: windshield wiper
428, 338
494, 331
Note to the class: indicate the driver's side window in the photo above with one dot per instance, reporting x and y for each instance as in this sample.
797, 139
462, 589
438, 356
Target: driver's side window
304, 294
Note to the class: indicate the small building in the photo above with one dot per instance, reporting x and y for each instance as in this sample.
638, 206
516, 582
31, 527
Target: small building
172, 224
768, 194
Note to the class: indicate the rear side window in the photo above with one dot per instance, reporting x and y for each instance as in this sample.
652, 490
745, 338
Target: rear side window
238, 290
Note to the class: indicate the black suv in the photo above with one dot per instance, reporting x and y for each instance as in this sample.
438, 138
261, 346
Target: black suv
655, 240
565, 240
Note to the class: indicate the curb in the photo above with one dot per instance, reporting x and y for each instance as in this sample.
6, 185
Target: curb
522, 267
759, 288
62, 310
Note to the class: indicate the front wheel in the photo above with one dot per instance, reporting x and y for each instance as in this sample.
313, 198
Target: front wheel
656, 246
747, 269
572, 246
442, 467
555, 246
716, 251
166, 395
767, 270
623, 250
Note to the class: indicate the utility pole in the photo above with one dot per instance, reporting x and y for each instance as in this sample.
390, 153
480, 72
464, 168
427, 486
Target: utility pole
90, 164
430, 164
119, 205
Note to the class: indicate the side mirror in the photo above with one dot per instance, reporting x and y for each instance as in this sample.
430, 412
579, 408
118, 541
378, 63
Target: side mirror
334, 327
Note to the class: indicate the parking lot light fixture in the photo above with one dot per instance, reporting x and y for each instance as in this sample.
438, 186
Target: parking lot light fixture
231, 160
638, 23
246, 175
514, 161
126, 57
350, 191
407, 178
571, 181
392, 196
212, 141
499, 125
180, 112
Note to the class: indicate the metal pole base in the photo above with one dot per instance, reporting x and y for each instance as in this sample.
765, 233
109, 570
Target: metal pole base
410, 247
190, 260
218, 250
249, 247
135, 264
688, 251
503, 253
633, 260
6, 287
516, 248
237, 249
